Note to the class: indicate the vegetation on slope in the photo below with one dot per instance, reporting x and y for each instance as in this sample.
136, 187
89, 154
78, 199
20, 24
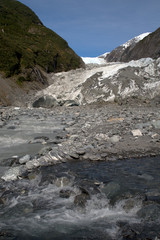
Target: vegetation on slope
26, 45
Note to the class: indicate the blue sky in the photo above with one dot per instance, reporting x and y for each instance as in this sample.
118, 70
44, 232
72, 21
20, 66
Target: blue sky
93, 27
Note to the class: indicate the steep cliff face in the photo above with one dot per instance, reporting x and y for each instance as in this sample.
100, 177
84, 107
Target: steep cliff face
28, 49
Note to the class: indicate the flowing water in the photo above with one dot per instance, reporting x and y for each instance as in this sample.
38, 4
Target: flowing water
114, 200
83, 200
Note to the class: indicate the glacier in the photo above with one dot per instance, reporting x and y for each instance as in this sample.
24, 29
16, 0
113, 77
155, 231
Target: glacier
106, 83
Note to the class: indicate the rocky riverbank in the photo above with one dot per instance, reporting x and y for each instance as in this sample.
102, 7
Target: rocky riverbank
94, 132
63, 173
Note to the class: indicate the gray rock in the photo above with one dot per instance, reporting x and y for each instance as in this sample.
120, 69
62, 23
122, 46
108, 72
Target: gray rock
41, 138
32, 176
71, 103
71, 123
136, 132
74, 155
156, 124
146, 177
104, 155
12, 127
80, 151
1, 124
45, 102
150, 212
24, 159
129, 204
92, 157
65, 193
115, 139
62, 182
2, 201
13, 173
81, 199
154, 199
9, 162
111, 189
32, 164
44, 150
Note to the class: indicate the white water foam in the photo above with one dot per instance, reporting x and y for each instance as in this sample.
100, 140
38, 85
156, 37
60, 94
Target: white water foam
62, 214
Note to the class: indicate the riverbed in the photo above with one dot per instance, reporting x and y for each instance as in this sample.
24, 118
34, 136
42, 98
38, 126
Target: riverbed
80, 173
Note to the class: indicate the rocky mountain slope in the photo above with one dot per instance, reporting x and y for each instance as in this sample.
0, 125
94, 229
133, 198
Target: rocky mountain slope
142, 46
28, 49
148, 47
118, 54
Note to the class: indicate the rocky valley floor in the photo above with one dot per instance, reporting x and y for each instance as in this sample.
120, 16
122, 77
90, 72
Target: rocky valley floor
93, 132
63, 172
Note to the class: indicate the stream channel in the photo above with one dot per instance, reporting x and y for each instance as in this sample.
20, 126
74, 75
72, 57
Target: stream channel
88, 200
84, 200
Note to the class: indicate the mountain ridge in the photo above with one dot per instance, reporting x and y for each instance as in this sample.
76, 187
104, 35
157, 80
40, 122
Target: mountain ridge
142, 46
147, 47
116, 55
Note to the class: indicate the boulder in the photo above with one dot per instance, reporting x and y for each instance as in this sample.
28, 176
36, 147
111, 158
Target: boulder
13, 173
45, 102
81, 199
62, 182
65, 193
150, 212
24, 159
111, 189
71, 103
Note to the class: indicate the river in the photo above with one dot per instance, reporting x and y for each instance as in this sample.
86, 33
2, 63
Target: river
72, 199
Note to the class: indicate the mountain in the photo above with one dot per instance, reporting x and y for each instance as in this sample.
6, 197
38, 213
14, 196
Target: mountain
147, 47
122, 51
130, 81
25, 42
28, 49
125, 52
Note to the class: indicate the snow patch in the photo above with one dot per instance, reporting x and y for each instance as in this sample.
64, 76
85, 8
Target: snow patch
135, 39
130, 89
113, 69
104, 55
93, 60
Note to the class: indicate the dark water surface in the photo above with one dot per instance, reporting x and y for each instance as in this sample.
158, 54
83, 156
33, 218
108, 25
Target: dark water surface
84, 200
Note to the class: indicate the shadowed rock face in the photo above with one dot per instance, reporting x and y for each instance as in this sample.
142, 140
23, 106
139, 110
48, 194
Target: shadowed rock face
149, 46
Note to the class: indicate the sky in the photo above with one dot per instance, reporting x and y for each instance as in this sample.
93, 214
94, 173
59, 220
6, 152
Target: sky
93, 27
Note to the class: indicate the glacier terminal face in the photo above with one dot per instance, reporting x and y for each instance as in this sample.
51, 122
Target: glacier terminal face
94, 60
107, 83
